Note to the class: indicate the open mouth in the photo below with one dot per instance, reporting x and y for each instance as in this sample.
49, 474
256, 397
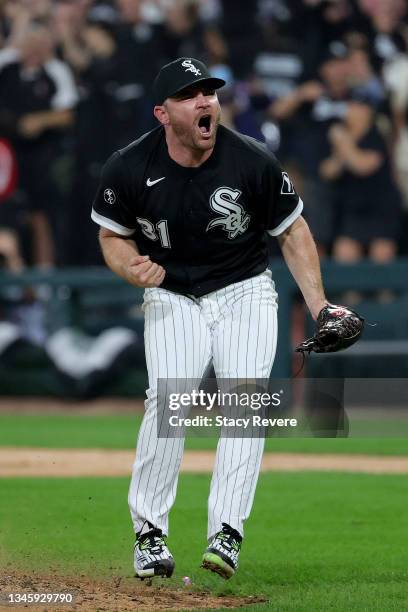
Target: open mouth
204, 125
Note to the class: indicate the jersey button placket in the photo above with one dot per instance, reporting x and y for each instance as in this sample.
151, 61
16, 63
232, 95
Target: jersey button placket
190, 210
186, 220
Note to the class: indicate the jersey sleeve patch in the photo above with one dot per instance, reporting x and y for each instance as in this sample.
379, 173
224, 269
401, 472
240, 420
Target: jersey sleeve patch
281, 204
283, 225
114, 203
287, 185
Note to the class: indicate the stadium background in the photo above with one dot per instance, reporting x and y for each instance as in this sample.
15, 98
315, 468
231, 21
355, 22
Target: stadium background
316, 80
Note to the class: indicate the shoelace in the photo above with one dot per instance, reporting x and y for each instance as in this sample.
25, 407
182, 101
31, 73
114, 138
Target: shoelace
156, 541
231, 536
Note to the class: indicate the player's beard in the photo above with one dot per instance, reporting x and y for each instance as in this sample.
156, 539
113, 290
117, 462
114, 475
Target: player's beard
190, 136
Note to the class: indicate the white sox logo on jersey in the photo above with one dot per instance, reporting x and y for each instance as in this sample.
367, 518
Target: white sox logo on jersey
189, 67
234, 221
109, 196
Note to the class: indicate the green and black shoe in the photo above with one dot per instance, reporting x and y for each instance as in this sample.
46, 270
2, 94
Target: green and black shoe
223, 551
151, 555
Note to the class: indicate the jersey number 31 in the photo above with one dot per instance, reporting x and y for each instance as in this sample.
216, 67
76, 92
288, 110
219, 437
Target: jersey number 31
158, 232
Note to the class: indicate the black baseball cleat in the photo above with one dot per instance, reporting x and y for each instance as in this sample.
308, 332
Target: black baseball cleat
223, 551
151, 555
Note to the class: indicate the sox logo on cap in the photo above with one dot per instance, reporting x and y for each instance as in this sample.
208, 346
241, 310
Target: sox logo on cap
189, 67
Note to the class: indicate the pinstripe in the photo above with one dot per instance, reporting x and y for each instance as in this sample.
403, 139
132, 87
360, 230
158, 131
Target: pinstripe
184, 338
175, 442
192, 337
147, 486
254, 356
199, 347
239, 461
209, 302
227, 441
249, 327
238, 488
225, 336
151, 423
174, 336
244, 488
266, 335
261, 372
243, 311
217, 479
260, 446
166, 441
157, 463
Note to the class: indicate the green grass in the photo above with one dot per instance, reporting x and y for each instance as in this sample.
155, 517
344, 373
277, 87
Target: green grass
120, 431
314, 542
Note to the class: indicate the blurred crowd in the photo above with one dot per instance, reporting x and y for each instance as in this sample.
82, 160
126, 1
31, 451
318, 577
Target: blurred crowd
323, 82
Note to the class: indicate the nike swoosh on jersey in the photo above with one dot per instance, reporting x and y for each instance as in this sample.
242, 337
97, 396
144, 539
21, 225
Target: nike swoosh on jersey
150, 183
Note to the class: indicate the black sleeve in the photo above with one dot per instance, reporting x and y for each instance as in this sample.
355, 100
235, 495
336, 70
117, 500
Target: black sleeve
111, 207
281, 203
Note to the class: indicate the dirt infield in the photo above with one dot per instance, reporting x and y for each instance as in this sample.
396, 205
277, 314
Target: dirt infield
95, 462
124, 593
103, 462
117, 594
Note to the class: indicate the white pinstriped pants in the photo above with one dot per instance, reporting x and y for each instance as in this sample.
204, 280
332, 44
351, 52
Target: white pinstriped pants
236, 327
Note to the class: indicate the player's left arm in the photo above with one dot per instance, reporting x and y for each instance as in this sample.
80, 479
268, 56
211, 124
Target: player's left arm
300, 253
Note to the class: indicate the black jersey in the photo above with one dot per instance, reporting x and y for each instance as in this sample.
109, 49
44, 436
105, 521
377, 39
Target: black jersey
206, 226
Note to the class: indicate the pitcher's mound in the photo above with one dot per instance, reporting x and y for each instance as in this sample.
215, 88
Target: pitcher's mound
116, 594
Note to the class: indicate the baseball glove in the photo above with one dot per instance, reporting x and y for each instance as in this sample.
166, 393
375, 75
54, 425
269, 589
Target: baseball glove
337, 328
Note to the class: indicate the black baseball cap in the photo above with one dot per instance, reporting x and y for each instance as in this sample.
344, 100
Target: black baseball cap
179, 74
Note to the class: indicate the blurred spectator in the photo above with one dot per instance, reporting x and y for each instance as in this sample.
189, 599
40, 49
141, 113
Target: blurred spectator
385, 36
68, 20
182, 31
17, 15
113, 95
312, 108
10, 256
279, 63
241, 32
108, 47
368, 202
37, 95
13, 218
140, 58
97, 67
216, 56
293, 69
317, 103
396, 81
323, 21
365, 84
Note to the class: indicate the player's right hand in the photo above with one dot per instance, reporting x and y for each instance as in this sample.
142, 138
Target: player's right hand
142, 272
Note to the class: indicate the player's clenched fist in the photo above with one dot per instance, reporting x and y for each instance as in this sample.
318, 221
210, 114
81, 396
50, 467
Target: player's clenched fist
143, 272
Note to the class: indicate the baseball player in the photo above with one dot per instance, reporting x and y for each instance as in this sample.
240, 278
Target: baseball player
184, 211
